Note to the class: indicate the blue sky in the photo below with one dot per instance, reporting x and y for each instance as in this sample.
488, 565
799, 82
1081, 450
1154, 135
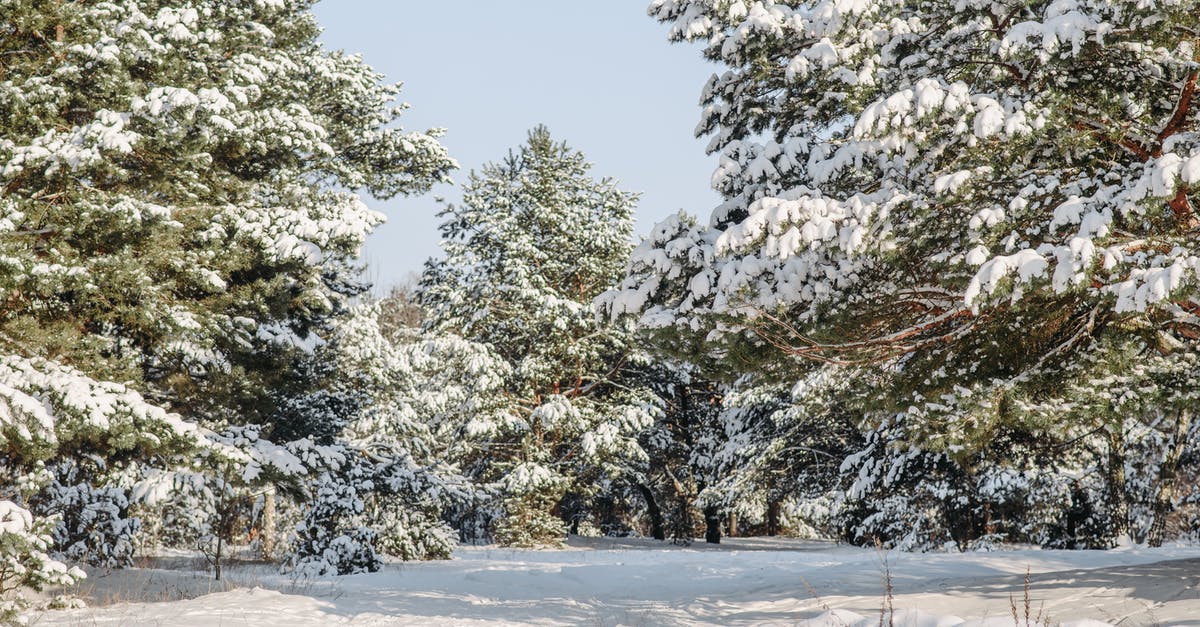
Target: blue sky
599, 73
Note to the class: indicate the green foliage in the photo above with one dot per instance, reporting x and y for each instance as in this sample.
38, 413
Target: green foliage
24, 560
178, 213
411, 535
527, 523
534, 242
172, 213
966, 200
986, 212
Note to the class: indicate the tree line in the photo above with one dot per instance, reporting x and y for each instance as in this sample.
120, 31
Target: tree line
948, 299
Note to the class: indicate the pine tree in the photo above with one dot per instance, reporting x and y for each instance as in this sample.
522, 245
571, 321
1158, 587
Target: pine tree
784, 448
422, 402
682, 444
967, 197
24, 561
171, 183
954, 176
534, 241
176, 215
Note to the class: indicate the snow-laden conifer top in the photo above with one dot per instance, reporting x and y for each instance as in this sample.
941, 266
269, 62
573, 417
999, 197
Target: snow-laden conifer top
934, 161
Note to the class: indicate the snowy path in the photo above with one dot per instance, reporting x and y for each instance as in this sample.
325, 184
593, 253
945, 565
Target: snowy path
637, 582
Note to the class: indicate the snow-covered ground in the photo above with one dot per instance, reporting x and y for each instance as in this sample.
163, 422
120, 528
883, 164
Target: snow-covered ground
642, 582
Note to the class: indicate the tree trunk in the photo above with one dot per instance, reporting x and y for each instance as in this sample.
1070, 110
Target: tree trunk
267, 546
1167, 478
217, 557
733, 527
773, 518
712, 525
682, 527
224, 514
1118, 505
655, 513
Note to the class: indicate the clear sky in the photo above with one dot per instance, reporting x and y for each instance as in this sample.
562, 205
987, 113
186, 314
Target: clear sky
599, 73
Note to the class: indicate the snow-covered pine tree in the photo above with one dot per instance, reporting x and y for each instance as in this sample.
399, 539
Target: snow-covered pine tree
783, 448
1129, 413
421, 397
173, 214
681, 445
24, 559
52, 413
172, 207
973, 194
532, 244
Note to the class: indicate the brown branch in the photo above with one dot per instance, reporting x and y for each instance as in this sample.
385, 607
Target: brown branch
1189, 306
1180, 205
1179, 119
1012, 69
1187, 330
1138, 150
869, 350
1182, 208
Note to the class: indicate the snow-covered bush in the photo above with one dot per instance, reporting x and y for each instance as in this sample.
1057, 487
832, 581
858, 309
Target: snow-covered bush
93, 524
330, 541
474, 518
411, 535
349, 552
177, 508
365, 500
901, 496
24, 559
527, 523
52, 412
409, 403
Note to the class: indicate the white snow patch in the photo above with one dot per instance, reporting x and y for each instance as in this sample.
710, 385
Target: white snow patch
745, 581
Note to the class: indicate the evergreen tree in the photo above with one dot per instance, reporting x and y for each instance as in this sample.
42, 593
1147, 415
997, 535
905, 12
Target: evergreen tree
171, 178
421, 398
681, 445
967, 198
24, 559
781, 460
177, 214
534, 241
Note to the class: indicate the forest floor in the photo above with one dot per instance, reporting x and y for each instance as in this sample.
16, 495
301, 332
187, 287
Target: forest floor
742, 581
